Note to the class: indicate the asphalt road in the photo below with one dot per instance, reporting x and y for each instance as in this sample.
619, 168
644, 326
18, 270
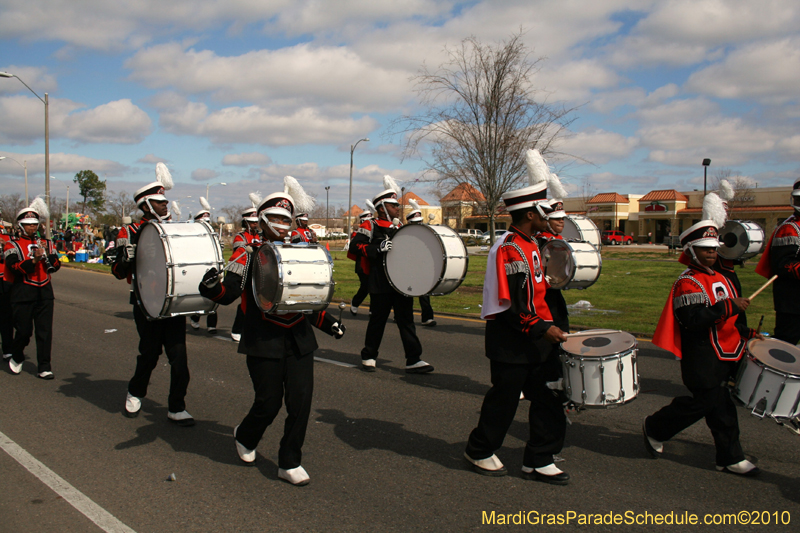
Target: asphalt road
384, 450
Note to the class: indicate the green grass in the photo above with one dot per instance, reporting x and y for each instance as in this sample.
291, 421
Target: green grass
629, 295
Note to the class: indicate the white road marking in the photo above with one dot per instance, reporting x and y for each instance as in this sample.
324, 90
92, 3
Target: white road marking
104, 520
331, 361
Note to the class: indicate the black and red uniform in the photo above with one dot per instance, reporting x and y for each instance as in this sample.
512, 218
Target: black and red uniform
6, 316
303, 235
700, 324
169, 333
517, 317
382, 296
362, 271
280, 359
241, 241
31, 296
782, 257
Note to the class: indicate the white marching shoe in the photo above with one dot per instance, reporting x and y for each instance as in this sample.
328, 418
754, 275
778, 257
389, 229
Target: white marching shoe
491, 466
132, 406
194, 323
246, 455
236, 337
183, 419
353, 310
296, 476
742, 468
15, 367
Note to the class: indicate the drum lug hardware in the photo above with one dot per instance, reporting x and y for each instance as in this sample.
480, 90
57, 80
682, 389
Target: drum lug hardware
184, 272
760, 408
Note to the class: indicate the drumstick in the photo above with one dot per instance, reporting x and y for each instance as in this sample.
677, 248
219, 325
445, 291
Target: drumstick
764, 286
342, 305
593, 332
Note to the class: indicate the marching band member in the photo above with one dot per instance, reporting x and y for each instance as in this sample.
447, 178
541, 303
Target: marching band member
782, 257
29, 261
279, 348
153, 334
303, 233
6, 316
373, 241
415, 217
519, 335
204, 215
699, 325
362, 268
243, 243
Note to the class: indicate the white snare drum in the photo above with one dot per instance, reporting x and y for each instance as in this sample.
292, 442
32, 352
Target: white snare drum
600, 368
171, 259
740, 240
578, 228
426, 259
571, 265
292, 278
769, 379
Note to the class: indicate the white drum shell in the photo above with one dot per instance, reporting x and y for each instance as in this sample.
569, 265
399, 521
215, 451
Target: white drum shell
171, 260
578, 228
426, 259
303, 281
768, 391
740, 240
602, 381
579, 264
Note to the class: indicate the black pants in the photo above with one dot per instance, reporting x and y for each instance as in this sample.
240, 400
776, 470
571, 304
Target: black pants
289, 379
716, 406
363, 289
238, 322
427, 310
27, 315
211, 319
787, 327
171, 334
548, 424
380, 306
6, 317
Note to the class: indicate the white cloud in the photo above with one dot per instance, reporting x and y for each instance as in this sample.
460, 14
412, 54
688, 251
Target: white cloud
246, 159
204, 174
37, 78
769, 72
598, 146
152, 159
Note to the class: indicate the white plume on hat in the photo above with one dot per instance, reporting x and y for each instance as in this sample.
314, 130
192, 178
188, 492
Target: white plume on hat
370, 206
255, 198
303, 203
726, 191
414, 205
554, 186
714, 210
389, 183
40, 207
537, 168
204, 203
176, 211
163, 176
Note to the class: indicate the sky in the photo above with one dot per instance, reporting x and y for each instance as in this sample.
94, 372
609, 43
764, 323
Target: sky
244, 92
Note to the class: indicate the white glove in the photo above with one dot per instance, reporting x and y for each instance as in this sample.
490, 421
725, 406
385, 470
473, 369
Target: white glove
385, 246
130, 252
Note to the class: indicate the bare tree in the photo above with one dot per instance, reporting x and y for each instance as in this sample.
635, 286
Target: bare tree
480, 114
118, 205
587, 192
10, 204
742, 188
233, 214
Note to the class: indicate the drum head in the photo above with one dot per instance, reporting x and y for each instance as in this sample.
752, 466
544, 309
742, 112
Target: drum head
266, 277
599, 343
416, 261
151, 270
559, 263
776, 354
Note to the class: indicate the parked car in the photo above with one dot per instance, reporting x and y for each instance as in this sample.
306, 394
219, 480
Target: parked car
497, 233
616, 237
467, 233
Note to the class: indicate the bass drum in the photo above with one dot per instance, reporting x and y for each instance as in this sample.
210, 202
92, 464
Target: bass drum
740, 240
571, 265
578, 228
426, 259
292, 278
171, 259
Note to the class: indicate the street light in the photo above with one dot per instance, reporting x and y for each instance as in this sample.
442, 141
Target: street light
24, 165
327, 214
46, 103
706, 162
350, 194
210, 184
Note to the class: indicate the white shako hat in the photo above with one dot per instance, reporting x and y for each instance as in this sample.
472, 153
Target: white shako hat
156, 189
285, 203
34, 213
301, 216
556, 203
389, 194
706, 232
796, 187
251, 213
205, 212
365, 215
416, 213
535, 194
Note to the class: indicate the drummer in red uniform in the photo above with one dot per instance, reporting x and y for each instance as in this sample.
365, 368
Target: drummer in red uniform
243, 242
362, 269
701, 328
302, 233
519, 338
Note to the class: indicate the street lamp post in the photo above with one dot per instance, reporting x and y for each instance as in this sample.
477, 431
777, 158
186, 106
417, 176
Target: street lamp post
210, 184
350, 194
706, 162
24, 166
327, 212
46, 103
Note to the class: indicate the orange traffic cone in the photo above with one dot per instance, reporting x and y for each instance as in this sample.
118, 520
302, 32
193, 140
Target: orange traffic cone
327, 246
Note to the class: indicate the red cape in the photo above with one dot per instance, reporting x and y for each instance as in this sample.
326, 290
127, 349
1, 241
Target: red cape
668, 335
764, 266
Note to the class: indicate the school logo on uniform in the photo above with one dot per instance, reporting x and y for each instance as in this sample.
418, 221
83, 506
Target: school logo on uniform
720, 291
538, 275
